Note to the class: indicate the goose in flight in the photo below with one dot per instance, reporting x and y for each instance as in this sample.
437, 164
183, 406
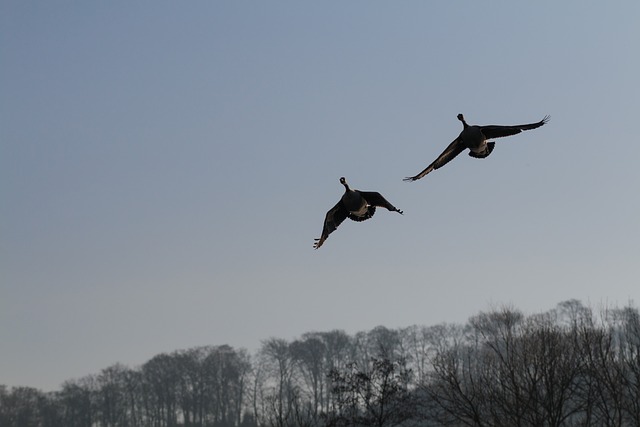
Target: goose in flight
355, 205
475, 139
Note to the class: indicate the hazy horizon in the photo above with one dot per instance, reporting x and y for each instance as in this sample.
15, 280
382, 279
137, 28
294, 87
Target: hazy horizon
598, 312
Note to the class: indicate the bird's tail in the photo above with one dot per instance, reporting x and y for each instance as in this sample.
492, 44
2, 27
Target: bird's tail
485, 153
370, 211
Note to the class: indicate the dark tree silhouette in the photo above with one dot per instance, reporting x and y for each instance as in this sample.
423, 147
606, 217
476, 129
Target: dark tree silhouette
566, 367
377, 395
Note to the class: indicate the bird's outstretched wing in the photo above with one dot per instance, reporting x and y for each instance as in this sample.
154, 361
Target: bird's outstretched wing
374, 198
455, 148
332, 220
497, 131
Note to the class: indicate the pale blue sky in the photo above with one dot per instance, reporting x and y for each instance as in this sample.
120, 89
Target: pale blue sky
165, 167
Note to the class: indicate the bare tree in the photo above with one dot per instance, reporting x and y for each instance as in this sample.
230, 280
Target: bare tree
339, 351
160, 384
510, 370
375, 395
309, 357
114, 404
282, 393
630, 360
226, 372
20, 407
78, 402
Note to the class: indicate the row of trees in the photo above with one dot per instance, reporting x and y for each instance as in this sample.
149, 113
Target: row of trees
568, 366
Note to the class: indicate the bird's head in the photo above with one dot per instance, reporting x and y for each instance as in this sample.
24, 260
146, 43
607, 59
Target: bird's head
343, 181
461, 117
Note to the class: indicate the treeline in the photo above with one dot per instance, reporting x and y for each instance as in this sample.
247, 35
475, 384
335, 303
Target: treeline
569, 366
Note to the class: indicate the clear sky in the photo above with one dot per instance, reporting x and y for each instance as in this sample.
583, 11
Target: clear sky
165, 167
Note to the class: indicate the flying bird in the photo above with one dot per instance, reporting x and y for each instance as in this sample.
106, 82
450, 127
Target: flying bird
475, 138
355, 205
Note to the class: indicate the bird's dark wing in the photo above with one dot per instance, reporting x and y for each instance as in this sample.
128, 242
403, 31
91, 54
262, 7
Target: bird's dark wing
455, 148
374, 198
332, 220
497, 131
